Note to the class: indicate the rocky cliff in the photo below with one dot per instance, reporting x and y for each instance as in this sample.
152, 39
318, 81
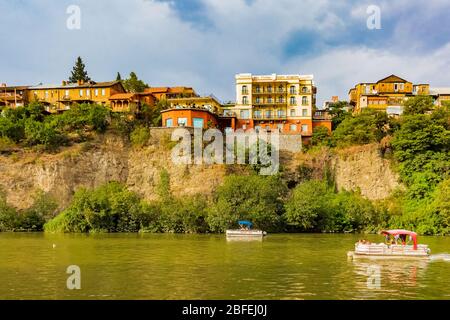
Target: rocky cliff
108, 158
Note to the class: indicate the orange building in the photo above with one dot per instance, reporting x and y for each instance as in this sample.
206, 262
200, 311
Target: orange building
165, 93
197, 112
130, 102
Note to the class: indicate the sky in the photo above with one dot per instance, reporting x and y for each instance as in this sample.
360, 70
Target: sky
204, 43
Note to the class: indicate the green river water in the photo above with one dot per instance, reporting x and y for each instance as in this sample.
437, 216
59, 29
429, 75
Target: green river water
167, 266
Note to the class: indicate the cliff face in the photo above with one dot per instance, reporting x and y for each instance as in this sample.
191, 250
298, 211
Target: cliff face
363, 168
110, 158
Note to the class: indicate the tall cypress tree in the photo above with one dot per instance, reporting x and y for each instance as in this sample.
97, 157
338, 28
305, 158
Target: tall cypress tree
119, 77
79, 72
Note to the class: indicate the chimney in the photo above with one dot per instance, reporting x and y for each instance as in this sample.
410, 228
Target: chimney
80, 82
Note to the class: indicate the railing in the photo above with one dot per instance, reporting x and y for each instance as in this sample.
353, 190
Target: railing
269, 117
268, 103
273, 91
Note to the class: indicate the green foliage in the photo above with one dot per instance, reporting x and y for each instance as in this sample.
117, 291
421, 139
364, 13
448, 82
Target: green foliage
321, 136
338, 113
79, 72
422, 148
133, 84
8, 215
314, 206
363, 128
255, 198
109, 208
418, 105
139, 136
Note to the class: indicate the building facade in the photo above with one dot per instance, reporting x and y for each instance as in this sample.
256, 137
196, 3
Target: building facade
13, 96
58, 98
197, 112
274, 102
165, 93
387, 94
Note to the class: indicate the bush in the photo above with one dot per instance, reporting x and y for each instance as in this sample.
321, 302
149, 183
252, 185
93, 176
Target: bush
321, 136
256, 198
314, 206
109, 208
139, 136
366, 127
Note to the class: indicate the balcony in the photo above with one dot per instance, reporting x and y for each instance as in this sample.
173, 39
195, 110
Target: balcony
266, 91
271, 103
269, 116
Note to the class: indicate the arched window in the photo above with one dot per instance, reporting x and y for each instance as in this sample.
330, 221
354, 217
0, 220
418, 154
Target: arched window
244, 100
304, 100
304, 89
280, 88
244, 90
292, 101
292, 90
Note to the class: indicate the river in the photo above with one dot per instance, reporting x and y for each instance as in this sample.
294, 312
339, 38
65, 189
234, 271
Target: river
168, 266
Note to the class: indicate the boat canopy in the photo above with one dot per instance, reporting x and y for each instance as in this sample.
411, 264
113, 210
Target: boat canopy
245, 223
398, 232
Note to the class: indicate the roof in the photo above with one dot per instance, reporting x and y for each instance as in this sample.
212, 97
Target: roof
168, 89
122, 96
392, 78
75, 85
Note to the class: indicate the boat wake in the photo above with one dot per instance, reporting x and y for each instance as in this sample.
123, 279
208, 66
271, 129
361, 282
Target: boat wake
440, 257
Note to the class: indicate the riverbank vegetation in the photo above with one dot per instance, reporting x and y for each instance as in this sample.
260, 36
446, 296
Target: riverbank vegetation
417, 143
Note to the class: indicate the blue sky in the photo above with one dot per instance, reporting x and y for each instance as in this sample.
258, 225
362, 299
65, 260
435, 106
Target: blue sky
204, 43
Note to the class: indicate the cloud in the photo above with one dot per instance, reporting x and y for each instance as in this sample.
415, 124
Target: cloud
203, 43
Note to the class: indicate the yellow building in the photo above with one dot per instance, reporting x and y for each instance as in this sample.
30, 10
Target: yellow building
57, 98
275, 102
387, 94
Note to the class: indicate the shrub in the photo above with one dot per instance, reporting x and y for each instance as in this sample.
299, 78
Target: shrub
256, 198
139, 136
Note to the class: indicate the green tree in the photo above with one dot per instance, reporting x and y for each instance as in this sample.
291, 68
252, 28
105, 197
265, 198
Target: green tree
363, 128
79, 73
133, 84
118, 77
338, 112
256, 198
321, 136
418, 105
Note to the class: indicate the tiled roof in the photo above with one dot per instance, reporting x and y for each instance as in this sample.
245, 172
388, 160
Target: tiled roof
75, 85
122, 96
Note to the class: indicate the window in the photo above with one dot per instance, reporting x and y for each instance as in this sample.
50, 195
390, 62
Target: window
269, 100
280, 88
304, 128
292, 101
269, 89
304, 101
244, 100
304, 89
88, 92
292, 112
395, 87
257, 100
280, 113
96, 92
81, 93
258, 89
257, 114
66, 93
292, 90
198, 122
280, 127
182, 122
293, 127
304, 112
244, 90
268, 113
245, 114
103, 92
257, 128
169, 122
